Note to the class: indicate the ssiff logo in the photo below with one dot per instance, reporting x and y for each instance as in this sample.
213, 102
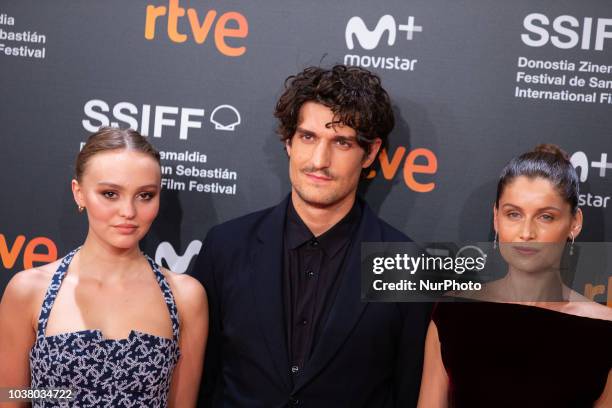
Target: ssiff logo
231, 24
565, 32
229, 125
370, 40
153, 120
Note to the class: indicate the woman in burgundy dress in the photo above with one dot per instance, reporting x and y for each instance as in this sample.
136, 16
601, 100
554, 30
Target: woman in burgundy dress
498, 350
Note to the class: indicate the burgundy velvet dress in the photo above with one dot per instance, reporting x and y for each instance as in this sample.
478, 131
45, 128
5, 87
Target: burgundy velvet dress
508, 355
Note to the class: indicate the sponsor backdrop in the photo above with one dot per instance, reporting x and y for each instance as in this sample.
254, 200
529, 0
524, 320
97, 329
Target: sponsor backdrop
474, 83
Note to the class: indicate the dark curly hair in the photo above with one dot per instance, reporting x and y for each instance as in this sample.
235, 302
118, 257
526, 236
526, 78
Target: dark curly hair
354, 95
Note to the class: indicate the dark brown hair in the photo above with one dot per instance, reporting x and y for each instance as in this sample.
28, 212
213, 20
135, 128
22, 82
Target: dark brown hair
109, 138
548, 161
354, 95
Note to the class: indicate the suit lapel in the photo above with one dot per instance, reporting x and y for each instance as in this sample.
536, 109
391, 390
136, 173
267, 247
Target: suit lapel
347, 307
266, 282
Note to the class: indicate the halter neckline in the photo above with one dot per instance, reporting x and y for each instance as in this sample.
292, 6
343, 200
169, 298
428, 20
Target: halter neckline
56, 282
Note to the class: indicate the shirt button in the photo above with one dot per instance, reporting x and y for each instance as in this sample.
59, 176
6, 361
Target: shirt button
314, 242
310, 274
295, 369
304, 322
294, 401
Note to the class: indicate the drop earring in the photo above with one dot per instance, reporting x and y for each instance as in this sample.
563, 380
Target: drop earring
80, 208
571, 250
495, 241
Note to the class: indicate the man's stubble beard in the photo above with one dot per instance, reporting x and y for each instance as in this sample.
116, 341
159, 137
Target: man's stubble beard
314, 197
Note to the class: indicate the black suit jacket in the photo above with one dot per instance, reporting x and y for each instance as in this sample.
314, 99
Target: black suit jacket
368, 355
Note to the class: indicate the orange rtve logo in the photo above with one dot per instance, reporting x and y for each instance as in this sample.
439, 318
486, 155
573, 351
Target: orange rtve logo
590, 291
239, 27
389, 168
10, 253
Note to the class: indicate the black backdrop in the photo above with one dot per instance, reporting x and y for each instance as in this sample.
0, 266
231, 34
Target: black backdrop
474, 83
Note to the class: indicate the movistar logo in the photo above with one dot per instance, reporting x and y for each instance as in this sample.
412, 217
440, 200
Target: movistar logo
581, 163
369, 39
165, 251
356, 29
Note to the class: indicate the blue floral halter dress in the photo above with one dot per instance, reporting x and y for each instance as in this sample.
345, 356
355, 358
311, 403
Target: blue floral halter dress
131, 372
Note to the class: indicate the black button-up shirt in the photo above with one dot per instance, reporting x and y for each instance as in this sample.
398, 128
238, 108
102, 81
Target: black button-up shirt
312, 272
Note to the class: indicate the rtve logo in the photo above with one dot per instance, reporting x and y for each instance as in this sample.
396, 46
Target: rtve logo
370, 39
42, 250
566, 31
427, 164
581, 162
9, 254
229, 25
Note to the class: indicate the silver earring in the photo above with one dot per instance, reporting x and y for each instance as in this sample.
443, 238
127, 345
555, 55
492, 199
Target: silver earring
571, 251
495, 241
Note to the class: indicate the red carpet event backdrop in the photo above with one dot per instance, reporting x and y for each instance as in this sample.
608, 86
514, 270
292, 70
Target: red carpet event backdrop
473, 84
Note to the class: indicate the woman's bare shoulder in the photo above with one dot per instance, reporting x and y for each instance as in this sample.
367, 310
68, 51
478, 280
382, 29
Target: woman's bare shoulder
25, 291
188, 291
582, 306
31, 282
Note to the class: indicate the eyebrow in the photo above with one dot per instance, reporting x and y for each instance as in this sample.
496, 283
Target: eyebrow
351, 138
311, 133
118, 187
305, 131
539, 209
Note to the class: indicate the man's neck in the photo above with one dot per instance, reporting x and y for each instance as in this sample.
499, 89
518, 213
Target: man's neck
320, 219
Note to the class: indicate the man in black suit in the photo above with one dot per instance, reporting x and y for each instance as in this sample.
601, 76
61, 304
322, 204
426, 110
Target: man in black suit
287, 326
